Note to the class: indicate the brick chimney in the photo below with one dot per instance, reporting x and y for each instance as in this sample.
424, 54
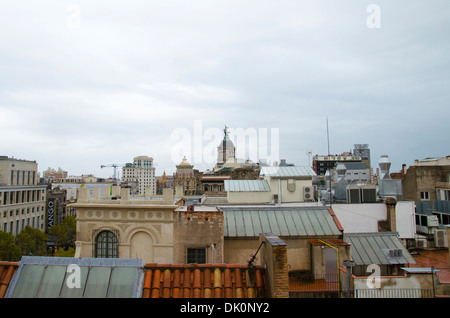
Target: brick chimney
274, 257
390, 224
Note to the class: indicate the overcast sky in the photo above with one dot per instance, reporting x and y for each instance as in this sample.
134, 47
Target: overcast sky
87, 83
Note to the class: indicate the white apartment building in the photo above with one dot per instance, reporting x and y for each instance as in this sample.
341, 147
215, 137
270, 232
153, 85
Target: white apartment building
142, 172
22, 200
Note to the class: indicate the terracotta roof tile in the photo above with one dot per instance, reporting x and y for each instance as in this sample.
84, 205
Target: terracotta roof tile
203, 281
7, 270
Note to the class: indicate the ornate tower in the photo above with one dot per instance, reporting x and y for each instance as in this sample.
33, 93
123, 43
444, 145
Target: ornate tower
226, 149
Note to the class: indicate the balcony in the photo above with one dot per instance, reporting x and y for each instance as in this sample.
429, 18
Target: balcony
307, 285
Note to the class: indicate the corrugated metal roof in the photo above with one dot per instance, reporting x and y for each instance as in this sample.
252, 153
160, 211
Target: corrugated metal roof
289, 171
247, 185
250, 222
373, 248
421, 270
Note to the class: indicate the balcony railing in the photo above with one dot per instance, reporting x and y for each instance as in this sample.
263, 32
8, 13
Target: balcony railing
326, 286
394, 293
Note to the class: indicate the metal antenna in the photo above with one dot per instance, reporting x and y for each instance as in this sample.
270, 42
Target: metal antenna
328, 142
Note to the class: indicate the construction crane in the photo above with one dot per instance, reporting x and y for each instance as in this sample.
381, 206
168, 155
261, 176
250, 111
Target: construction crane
115, 170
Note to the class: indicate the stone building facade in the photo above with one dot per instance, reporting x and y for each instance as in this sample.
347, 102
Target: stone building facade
188, 178
125, 228
198, 235
421, 181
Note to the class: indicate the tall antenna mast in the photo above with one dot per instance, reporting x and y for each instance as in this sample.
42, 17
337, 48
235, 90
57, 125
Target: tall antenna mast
328, 142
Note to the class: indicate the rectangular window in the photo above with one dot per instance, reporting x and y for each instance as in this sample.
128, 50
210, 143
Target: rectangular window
423, 220
424, 195
196, 256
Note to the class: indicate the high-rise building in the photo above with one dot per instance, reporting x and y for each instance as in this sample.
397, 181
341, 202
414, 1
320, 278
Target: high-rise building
363, 151
141, 171
323, 163
22, 199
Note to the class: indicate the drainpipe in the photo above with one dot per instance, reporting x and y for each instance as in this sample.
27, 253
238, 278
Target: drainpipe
349, 265
337, 257
279, 191
212, 253
432, 279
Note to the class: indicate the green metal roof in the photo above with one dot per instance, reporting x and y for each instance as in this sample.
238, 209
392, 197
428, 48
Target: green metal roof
299, 221
374, 248
247, 185
287, 171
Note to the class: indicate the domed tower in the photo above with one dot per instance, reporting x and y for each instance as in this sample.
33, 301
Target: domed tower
226, 149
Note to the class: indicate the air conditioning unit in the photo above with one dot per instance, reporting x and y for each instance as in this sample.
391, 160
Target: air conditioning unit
395, 252
275, 198
421, 243
432, 221
353, 195
440, 238
308, 194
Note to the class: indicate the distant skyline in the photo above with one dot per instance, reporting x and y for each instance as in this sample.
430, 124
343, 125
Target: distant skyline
91, 83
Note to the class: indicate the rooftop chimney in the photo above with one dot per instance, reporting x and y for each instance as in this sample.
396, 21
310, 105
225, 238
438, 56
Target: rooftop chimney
275, 259
385, 165
390, 224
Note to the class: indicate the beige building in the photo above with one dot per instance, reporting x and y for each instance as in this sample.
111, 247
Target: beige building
52, 174
125, 227
22, 200
141, 171
278, 185
313, 235
199, 235
427, 180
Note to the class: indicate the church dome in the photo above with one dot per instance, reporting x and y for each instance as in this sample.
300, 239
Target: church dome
184, 162
227, 142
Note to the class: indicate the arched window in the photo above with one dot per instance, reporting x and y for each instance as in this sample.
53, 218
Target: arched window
106, 245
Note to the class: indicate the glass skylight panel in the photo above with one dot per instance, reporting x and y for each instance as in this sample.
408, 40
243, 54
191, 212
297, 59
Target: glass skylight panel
97, 282
70, 288
28, 282
121, 284
54, 277
52, 281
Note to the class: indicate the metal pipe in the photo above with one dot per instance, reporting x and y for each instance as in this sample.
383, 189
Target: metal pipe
432, 278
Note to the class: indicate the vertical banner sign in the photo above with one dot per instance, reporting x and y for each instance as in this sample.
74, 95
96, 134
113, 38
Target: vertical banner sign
50, 213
